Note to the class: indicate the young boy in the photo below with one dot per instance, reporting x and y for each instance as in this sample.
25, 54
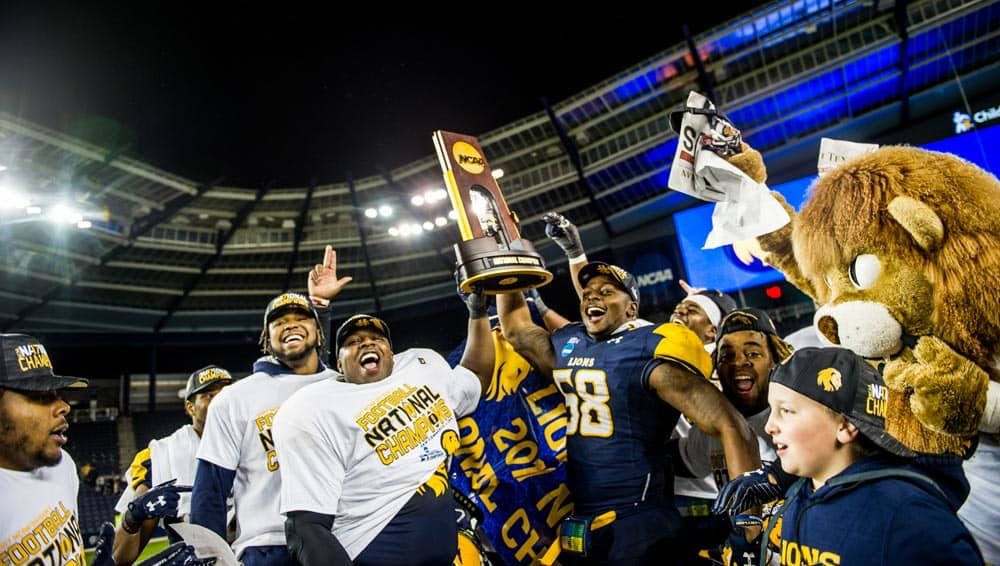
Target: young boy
859, 500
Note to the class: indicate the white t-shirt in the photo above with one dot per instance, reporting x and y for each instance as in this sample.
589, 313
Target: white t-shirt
171, 457
38, 517
703, 455
238, 437
360, 451
703, 487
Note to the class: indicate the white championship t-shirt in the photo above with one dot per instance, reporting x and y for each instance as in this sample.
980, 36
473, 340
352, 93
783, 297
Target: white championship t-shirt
171, 457
360, 451
237, 436
703, 455
38, 521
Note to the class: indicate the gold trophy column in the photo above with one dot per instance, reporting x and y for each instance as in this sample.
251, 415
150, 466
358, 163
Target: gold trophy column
492, 255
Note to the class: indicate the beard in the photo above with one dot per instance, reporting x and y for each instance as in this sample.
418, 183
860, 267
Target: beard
17, 448
288, 358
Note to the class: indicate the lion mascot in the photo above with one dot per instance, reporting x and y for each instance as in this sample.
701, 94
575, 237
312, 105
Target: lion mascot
900, 250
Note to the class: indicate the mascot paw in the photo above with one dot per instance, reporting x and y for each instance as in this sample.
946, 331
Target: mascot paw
947, 391
750, 162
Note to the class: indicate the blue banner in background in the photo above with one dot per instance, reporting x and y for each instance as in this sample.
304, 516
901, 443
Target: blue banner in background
719, 268
654, 267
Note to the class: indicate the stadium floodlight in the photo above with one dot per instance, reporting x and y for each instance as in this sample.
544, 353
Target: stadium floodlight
84, 224
428, 225
453, 215
497, 173
404, 229
11, 199
385, 210
393, 231
33, 210
64, 214
371, 212
417, 200
440, 220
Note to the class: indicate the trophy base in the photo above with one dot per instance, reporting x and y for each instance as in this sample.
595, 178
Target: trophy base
494, 271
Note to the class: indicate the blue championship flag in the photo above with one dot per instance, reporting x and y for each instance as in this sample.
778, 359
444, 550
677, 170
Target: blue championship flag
510, 461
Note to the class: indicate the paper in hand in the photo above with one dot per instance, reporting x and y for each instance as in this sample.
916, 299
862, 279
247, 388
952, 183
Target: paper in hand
682, 171
206, 543
752, 212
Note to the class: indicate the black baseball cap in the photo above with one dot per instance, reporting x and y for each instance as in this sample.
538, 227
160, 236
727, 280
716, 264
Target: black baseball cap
750, 318
841, 380
27, 367
362, 322
204, 378
623, 278
288, 302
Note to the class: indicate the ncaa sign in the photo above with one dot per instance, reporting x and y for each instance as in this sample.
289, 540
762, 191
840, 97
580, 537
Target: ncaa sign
654, 274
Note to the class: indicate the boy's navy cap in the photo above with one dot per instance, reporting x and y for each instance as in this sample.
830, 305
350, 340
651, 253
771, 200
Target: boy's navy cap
204, 378
841, 380
27, 367
623, 278
362, 322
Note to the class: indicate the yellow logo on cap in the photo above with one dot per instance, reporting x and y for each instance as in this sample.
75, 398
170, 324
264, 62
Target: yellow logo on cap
289, 299
468, 157
211, 374
877, 401
830, 379
363, 322
613, 270
32, 356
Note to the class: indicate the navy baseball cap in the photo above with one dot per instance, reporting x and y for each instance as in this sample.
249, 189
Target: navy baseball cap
27, 367
623, 278
362, 322
204, 378
288, 302
750, 318
842, 381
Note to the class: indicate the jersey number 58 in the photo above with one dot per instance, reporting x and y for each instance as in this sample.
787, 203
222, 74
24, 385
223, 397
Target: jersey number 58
587, 397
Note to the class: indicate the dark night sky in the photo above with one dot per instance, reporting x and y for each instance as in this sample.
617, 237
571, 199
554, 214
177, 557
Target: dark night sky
282, 97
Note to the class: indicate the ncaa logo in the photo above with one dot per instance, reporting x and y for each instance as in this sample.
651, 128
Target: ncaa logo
468, 157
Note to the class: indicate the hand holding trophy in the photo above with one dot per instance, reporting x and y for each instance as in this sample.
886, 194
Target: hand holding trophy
492, 256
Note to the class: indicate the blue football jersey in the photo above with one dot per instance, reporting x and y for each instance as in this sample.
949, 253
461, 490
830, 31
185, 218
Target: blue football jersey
617, 425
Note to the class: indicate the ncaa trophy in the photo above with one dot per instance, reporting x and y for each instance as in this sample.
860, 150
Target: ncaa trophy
492, 256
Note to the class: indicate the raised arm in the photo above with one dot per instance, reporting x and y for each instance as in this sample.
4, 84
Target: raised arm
528, 339
479, 355
324, 285
553, 320
710, 411
565, 235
